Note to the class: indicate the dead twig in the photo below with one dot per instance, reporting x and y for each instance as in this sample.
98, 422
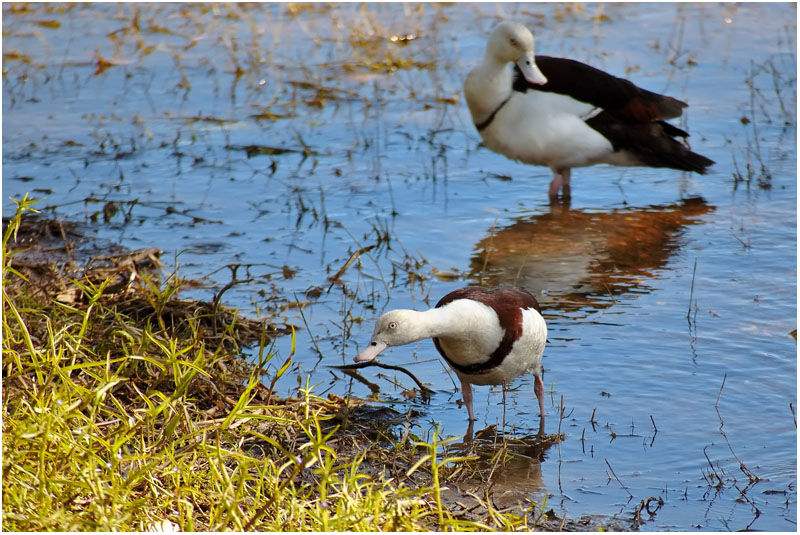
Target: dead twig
618, 480
426, 392
335, 277
361, 379
228, 286
713, 472
645, 505
313, 340
753, 478
691, 294
719, 394
655, 431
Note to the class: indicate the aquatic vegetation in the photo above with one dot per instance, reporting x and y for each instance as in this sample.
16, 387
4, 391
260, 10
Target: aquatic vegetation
114, 420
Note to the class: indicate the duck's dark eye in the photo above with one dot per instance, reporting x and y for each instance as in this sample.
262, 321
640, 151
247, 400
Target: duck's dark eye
392, 325
514, 43
374, 343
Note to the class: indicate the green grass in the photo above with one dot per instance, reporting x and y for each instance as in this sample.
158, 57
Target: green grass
120, 421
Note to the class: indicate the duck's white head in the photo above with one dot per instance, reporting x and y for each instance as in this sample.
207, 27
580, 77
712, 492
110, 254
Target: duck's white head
513, 42
395, 328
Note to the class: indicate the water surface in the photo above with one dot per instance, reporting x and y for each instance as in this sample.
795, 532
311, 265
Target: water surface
285, 138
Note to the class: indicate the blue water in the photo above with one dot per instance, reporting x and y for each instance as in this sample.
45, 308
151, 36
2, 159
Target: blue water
391, 152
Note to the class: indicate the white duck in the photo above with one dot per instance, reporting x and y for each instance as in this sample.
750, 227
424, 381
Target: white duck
487, 336
563, 114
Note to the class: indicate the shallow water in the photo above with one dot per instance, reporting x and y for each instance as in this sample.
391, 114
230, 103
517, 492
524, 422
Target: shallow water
287, 138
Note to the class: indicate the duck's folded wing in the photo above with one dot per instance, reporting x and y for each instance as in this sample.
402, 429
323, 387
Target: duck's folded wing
617, 96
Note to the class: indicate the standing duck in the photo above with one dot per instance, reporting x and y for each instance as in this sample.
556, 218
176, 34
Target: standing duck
487, 336
563, 113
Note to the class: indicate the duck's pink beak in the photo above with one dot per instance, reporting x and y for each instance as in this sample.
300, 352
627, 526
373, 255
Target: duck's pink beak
371, 351
530, 71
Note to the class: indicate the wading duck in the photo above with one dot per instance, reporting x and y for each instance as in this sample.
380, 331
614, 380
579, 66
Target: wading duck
487, 336
563, 114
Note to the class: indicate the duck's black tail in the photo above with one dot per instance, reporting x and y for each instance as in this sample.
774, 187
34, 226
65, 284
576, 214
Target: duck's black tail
653, 144
690, 161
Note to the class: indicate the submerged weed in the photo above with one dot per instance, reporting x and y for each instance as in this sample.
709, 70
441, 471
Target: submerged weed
770, 81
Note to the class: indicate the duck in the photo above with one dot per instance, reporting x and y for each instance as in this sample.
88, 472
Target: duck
488, 336
562, 113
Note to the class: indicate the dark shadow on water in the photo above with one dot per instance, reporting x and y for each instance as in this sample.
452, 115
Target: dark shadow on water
571, 259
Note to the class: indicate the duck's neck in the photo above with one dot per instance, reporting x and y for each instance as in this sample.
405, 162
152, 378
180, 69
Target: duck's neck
488, 85
456, 320
434, 323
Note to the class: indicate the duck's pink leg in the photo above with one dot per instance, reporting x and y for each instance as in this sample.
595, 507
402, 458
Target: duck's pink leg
466, 393
560, 182
538, 387
566, 190
504, 404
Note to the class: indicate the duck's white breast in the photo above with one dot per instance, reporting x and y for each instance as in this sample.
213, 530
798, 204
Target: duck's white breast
476, 332
543, 128
525, 355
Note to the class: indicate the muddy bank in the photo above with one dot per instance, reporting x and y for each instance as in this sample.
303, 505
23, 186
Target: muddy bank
57, 260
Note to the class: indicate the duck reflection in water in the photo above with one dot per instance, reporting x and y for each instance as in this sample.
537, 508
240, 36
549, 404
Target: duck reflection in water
577, 259
510, 467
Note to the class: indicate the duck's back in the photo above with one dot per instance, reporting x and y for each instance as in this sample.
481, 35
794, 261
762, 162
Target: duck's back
505, 342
